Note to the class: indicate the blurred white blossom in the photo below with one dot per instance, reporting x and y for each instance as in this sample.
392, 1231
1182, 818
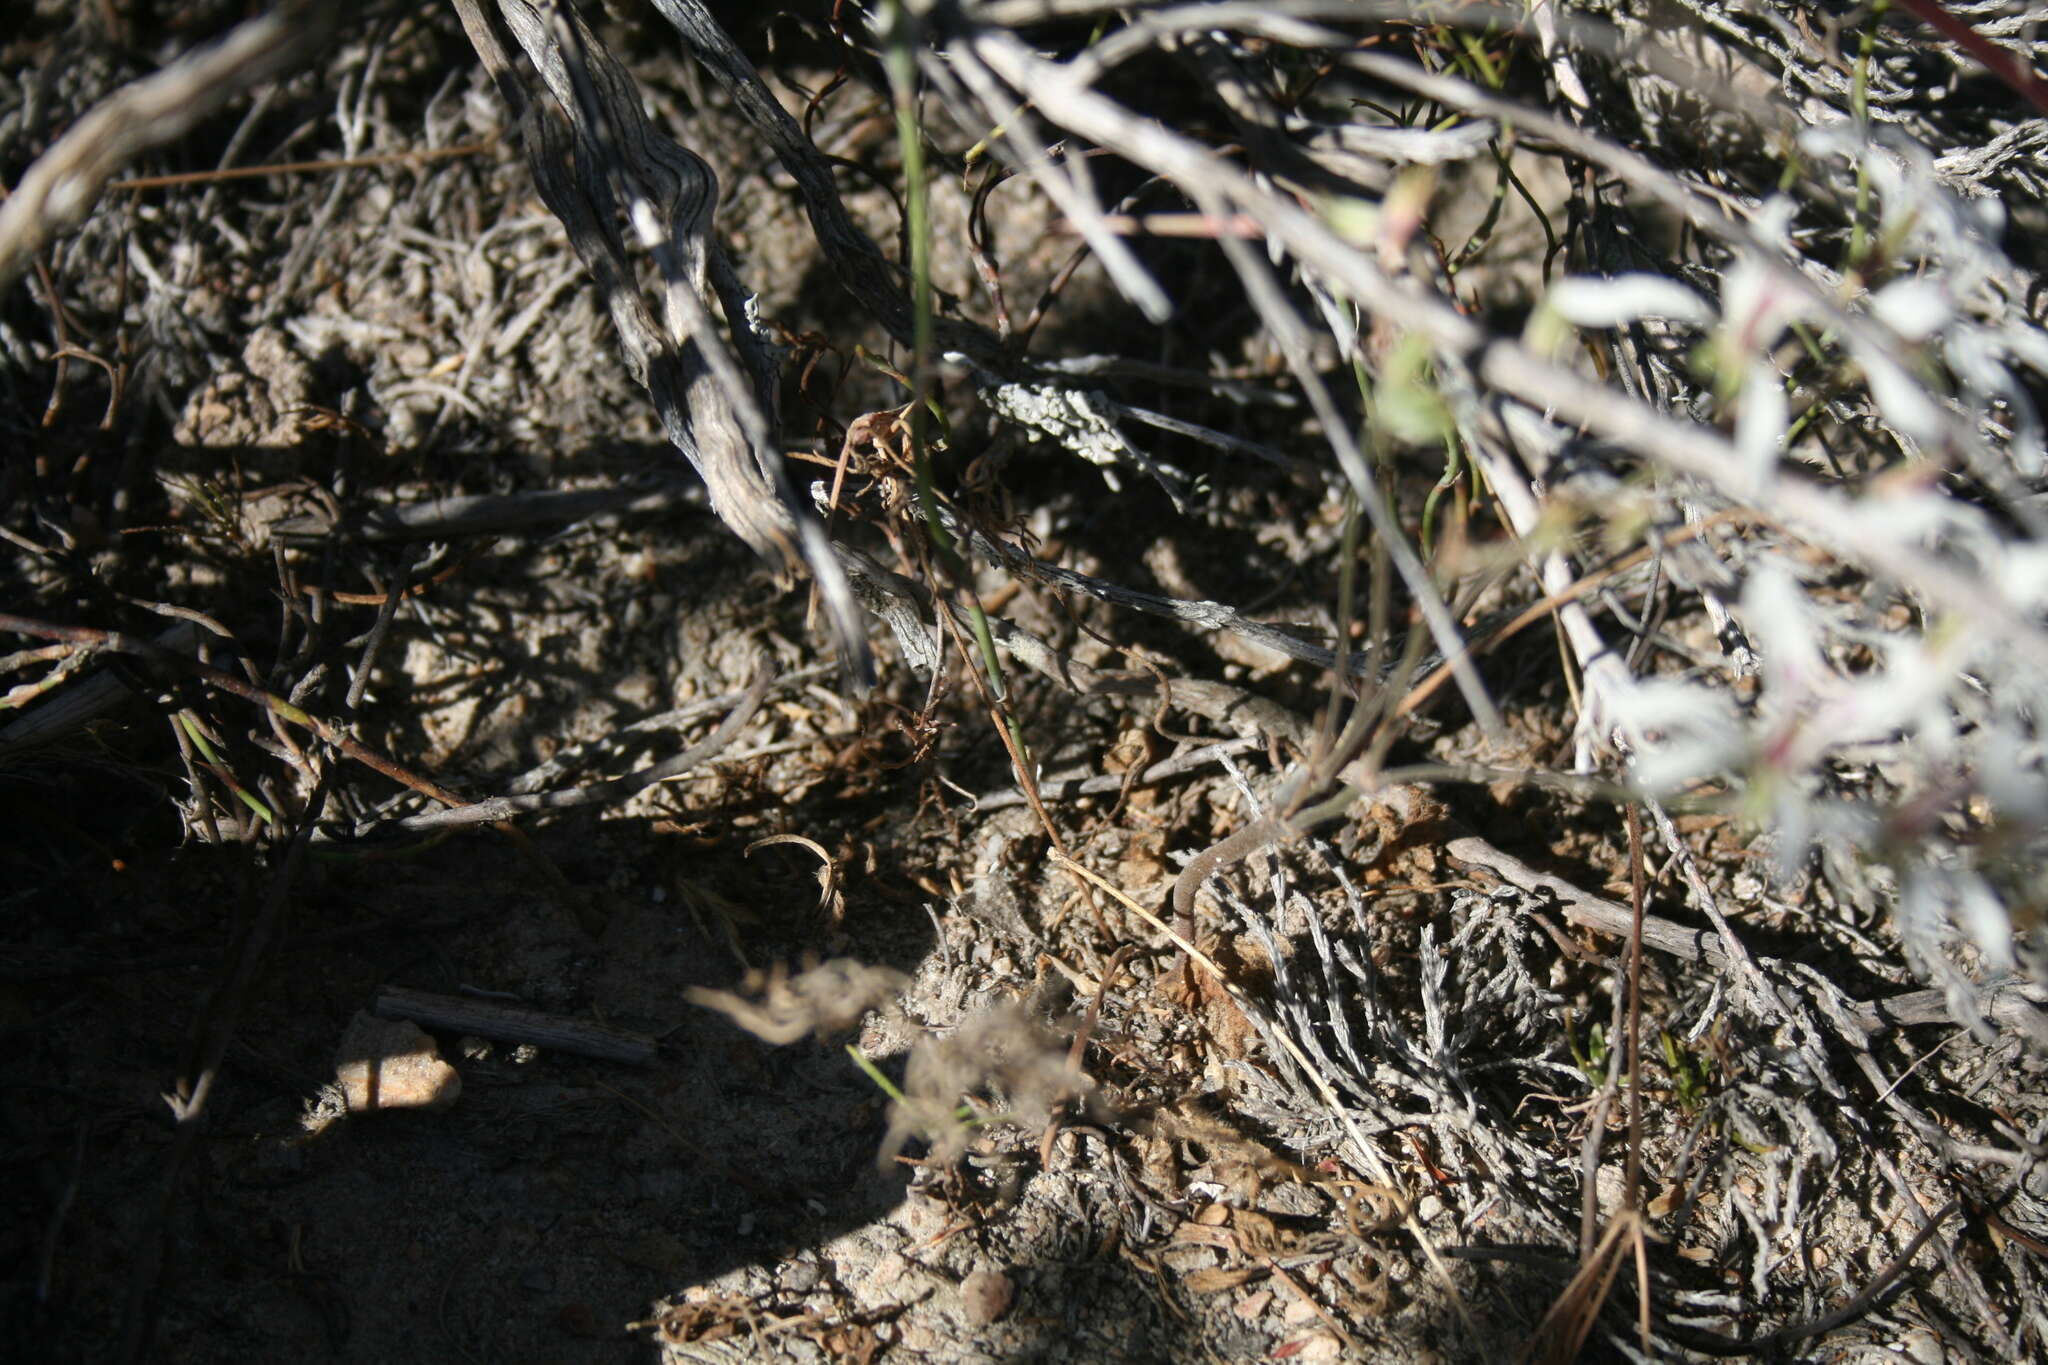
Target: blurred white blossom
1589, 301
1760, 424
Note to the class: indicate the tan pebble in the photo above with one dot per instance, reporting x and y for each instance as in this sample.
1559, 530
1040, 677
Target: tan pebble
883, 1277
985, 1296
1320, 1346
1922, 1347
392, 1064
923, 1217
1297, 1312
1255, 1306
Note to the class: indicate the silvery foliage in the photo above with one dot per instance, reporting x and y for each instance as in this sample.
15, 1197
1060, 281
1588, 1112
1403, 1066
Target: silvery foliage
1908, 734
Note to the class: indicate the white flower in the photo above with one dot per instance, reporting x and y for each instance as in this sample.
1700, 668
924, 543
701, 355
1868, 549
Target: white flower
1761, 423
1588, 301
1915, 308
1756, 308
1900, 397
1680, 732
1778, 619
1984, 920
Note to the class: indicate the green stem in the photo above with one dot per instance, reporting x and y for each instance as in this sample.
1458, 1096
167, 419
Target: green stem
1859, 107
1453, 466
220, 770
900, 55
874, 1073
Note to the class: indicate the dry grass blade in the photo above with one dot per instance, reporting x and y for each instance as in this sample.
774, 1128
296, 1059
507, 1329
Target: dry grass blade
323, 167
1562, 1334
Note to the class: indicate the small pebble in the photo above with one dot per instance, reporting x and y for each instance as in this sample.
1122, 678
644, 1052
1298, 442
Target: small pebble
884, 1274
1317, 1347
392, 1064
1922, 1347
985, 1296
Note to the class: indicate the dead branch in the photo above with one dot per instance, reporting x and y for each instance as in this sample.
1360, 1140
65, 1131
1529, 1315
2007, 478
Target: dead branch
510, 1024
60, 189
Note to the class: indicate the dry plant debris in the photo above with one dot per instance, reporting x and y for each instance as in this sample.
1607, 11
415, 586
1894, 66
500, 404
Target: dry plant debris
1318, 680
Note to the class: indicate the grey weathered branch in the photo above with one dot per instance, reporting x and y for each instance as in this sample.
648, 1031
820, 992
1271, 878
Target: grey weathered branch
60, 189
589, 144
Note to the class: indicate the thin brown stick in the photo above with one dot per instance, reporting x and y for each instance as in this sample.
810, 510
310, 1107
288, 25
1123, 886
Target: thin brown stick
1295, 1288
1079, 1050
1550, 602
313, 167
378, 599
1631, 1190
1562, 1334
510, 1024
